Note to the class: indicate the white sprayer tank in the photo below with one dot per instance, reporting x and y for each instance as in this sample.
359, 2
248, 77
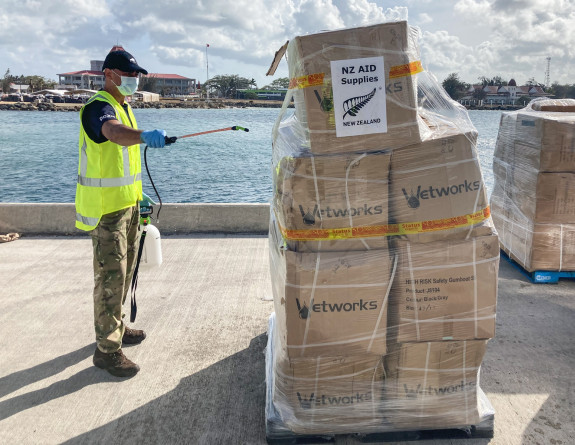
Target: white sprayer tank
152, 251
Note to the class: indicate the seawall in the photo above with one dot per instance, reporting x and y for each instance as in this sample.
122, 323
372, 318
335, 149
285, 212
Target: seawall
197, 103
175, 219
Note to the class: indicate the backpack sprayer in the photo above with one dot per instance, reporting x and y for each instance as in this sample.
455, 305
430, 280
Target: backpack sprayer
150, 243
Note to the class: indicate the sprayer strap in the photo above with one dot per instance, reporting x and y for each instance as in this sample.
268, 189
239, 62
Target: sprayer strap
133, 303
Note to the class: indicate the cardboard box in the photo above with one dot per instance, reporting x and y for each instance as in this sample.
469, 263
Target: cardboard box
558, 105
555, 198
543, 197
540, 197
436, 186
433, 384
540, 140
533, 246
331, 303
329, 394
316, 194
445, 290
355, 89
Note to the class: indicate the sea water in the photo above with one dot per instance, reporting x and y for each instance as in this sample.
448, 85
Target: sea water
39, 154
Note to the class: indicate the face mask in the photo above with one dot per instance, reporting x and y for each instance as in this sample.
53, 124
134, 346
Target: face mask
128, 86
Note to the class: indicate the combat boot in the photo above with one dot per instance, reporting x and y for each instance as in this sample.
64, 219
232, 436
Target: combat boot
133, 336
116, 363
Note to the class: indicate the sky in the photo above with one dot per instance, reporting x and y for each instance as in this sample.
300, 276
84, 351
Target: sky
473, 38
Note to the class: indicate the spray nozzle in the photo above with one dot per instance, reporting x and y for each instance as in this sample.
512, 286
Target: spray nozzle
170, 140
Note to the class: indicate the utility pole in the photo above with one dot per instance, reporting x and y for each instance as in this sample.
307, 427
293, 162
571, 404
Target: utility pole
547, 80
207, 73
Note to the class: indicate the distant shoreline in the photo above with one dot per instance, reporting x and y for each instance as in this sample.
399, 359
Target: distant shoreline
193, 104
170, 103
496, 107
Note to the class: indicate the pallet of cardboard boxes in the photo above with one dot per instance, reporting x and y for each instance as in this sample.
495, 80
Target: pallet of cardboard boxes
383, 255
533, 200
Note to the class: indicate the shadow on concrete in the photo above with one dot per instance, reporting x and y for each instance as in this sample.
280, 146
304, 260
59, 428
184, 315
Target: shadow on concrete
20, 379
533, 351
222, 404
57, 389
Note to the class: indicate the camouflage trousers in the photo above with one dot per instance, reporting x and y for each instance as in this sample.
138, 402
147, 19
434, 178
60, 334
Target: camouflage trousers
115, 244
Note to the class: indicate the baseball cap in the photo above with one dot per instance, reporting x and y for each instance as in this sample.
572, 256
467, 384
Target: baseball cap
123, 61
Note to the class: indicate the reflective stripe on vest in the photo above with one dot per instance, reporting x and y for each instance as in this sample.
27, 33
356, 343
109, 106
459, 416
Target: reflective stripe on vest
87, 220
109, 182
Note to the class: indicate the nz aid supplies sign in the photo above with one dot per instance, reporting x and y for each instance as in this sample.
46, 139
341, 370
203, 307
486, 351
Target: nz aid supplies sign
359, 96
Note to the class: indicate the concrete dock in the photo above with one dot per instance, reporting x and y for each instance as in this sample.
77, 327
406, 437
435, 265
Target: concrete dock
202, 378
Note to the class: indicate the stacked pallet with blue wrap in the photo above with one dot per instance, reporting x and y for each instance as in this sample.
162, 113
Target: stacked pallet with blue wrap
532, 199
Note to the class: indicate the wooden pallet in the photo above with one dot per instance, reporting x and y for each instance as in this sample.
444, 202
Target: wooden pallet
539, 276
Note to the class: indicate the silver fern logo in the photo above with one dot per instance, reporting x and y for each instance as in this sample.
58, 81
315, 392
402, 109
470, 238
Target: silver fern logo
359, 96
352, 105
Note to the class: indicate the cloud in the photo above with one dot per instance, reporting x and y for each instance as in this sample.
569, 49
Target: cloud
472, 9
424, 18
443, 53
518, 36
242, 31
473, 37
45, 36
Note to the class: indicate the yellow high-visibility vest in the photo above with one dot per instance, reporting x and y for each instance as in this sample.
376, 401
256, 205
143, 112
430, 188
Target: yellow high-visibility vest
109, 175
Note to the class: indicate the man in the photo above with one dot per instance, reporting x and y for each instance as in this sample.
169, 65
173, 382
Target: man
108, 193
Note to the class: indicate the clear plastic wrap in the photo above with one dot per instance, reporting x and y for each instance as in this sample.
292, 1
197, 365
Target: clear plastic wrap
331, 303
383, 254
535, 246
434, 183
315, 86
533, 200
446, 290
415, 386
329, 194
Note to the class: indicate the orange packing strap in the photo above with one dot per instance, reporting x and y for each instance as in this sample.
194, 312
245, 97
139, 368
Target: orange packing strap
311, 80
409, 69
343, 233
410, 228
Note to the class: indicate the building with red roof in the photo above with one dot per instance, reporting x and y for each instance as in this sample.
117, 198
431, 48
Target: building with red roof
93, 79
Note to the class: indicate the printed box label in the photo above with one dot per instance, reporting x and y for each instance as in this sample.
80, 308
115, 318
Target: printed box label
359, 96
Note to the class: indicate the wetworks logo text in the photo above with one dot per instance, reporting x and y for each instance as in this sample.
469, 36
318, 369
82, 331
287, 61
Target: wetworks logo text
310, 216
327, 400
414, 392
325, 307
414, 198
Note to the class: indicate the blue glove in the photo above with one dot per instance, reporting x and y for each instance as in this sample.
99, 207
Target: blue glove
146, 200
154, 138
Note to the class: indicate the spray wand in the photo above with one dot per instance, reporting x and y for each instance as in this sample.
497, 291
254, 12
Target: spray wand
172, 139
146, 211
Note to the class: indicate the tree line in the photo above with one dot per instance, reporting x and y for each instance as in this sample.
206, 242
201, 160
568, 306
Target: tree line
457, 89
225, 86
35, 83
